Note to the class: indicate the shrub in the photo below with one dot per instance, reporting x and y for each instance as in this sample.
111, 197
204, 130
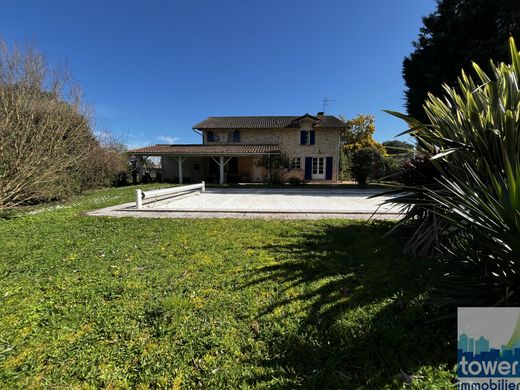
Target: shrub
276, 167
474, 140
147, 178
366, 163
121, 179
295, 181
47, 147
344, 166
398, 148
392, 167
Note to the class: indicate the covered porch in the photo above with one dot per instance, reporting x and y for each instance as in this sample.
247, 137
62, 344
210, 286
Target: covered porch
211, 163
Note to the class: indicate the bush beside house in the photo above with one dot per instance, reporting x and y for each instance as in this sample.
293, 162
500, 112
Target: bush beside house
366, 163
48, 148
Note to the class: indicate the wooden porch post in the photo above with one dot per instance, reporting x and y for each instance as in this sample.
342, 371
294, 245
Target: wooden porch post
221, 166
180, 160
140, 164
269, 171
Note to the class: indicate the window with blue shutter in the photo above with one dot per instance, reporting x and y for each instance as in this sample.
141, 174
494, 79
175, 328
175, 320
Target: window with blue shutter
210, 136
308, 168
328, 168
307, 137
236, 136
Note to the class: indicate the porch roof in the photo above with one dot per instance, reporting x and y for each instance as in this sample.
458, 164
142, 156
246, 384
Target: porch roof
207, 150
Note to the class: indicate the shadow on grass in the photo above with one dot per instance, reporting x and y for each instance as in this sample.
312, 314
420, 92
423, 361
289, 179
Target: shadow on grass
362, 321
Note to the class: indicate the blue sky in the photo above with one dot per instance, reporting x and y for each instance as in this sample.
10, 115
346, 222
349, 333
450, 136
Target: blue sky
152, 69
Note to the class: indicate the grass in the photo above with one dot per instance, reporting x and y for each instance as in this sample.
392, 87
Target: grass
89, 302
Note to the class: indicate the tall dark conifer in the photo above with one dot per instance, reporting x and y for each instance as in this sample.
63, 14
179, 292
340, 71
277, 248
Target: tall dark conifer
457, 33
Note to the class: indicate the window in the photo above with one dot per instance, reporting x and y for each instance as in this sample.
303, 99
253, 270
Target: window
296, 163
210, 136
307, 137
236, 136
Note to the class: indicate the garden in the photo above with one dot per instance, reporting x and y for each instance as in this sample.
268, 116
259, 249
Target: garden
100, 302
93, 302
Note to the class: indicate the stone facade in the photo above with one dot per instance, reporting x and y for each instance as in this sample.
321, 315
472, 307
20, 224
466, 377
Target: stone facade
326, 144
232, 146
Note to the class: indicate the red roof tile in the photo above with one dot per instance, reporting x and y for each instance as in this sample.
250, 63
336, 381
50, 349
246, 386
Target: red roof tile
266, 122
222, 149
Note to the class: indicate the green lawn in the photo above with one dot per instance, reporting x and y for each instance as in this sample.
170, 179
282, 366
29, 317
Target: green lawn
89, 302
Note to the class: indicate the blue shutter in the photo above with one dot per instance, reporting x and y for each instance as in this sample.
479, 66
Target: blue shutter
328, 168
312, 138
308, 168
302, 137
210, 136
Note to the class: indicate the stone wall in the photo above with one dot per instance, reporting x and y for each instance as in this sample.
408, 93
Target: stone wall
326, 143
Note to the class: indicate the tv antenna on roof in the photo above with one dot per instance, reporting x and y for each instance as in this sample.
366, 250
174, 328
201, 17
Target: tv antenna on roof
326, 102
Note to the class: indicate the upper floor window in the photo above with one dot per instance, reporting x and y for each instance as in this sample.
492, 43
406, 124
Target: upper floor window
236, 136
307, 137
210, 136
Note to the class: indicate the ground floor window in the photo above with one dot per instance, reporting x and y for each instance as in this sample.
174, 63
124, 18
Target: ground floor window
296, 163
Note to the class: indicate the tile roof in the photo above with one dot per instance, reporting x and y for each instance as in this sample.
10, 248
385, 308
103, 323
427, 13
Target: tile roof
218, 149
265, 122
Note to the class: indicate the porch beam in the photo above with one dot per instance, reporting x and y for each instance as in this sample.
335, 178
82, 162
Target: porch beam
221, 163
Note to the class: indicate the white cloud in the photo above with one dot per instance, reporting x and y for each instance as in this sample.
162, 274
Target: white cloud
131, 146
102, 134
168, 139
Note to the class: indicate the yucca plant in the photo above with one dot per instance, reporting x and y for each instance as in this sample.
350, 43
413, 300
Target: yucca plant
470, 209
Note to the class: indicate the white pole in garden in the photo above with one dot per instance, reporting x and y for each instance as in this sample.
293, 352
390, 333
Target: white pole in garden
138, 199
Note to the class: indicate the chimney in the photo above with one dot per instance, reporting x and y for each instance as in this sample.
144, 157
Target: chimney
321, 113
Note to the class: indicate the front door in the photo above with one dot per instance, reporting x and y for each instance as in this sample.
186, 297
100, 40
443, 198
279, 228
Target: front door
318, 168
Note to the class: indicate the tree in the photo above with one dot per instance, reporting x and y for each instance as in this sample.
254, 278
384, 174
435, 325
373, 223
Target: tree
366, 163
397, 154
469, 214
46, 143
358, 133
276, 167
396, 147
109, 166
457, 33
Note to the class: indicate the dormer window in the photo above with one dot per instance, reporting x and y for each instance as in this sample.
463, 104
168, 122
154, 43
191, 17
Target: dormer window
307, 137
236, 136
210, 136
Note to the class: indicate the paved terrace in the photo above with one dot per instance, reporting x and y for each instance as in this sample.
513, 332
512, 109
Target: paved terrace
262, 203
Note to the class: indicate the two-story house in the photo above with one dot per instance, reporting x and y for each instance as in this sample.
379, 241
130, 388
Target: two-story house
231, 147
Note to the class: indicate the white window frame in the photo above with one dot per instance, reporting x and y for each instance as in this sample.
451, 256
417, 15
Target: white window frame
318, 168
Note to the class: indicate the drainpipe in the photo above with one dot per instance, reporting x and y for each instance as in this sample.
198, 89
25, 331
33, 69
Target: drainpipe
199, 133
